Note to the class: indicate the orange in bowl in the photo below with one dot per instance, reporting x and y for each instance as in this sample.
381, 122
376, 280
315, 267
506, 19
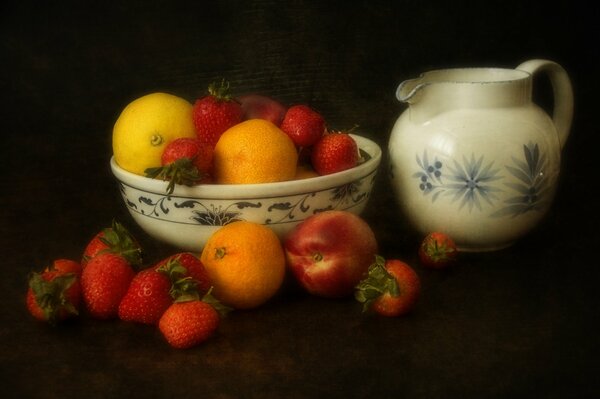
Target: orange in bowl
254, 151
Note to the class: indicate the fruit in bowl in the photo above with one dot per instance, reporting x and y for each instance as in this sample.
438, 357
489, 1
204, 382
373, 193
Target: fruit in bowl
256, 173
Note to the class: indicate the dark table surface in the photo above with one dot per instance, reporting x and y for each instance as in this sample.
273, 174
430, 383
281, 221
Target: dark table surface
513, 323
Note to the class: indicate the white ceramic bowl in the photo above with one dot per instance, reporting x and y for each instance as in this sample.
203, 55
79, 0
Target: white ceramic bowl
187, 217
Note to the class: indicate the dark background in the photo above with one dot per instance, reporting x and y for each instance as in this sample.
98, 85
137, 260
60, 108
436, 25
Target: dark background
512, 323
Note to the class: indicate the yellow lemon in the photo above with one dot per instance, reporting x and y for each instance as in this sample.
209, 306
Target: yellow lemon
146, 126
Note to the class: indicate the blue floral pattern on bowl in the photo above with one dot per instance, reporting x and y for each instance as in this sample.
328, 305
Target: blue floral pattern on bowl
215, 212
474, 181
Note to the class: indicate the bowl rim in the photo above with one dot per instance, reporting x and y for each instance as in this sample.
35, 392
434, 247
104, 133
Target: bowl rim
259, 190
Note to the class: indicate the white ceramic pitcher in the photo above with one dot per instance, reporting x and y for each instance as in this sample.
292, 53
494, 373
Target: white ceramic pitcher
474, 157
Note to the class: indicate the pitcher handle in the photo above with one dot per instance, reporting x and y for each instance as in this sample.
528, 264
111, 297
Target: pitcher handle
562, 91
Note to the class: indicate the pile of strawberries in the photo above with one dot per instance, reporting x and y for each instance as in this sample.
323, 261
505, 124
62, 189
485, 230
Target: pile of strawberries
174, 294
188, 161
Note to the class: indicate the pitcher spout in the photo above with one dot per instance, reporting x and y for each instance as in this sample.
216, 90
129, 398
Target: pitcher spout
407, 90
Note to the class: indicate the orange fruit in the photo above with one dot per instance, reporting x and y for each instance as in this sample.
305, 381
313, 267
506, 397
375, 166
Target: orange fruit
254, 151
245, 262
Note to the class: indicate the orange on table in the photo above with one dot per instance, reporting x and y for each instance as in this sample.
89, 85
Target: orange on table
254, 151
245, 262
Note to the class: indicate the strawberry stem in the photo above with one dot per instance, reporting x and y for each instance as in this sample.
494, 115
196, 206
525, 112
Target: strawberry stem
50, 295
220, 92
181, 171
377, 283
439, 251
183, 288
121, 242
222, 309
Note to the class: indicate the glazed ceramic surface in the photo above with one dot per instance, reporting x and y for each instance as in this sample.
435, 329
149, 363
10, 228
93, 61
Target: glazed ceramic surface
188, 216
474, 157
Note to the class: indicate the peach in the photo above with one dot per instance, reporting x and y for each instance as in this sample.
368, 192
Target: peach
257, 106
330, 252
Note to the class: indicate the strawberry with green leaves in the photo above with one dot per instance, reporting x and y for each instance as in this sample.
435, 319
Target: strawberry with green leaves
187, 161
190, 321
194, 269
115, 239
154, 289
437, 251
391, 288
54, 294
334, 152
215, 113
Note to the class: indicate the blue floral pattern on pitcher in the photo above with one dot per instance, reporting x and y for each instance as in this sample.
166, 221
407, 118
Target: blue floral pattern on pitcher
474, 181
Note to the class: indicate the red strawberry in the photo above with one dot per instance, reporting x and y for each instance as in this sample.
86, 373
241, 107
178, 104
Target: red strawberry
55, 294
437, 251
334, 152
115, 239
199, 153
391, 288
146, 298
53, 297
185, 161
153, 290
256, 106
304, 125
104, 283
194, 269
215, 113
64, 266
188, 323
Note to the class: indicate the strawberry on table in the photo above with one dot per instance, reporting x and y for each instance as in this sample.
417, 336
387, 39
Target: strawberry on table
437, 251
55, 294
146, 298
391, 288
215, 113
115, 239
64, 266
334, 152
104, 282
190, 321
193, 269
185, 161
154, 289
304, 125
187, 324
